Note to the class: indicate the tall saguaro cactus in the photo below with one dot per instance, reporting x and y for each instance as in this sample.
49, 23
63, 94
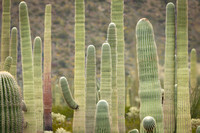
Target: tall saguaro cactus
169, 83
106, 75
150, 89
183, 102
79, 76
112, 40
47, 95
90, 89
13, 51
5, 32
11, 118
27, 68
117, 12
37, 61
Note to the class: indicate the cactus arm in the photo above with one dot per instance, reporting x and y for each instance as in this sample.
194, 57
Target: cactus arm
67, 93
5, 32
149, 124
13, 51
150, 89
27, 67
169, 104
37, 62
117, 12
90, 89
8, 63
24, 108
198, 129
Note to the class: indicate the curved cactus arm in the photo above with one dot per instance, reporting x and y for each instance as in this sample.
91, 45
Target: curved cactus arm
8, 63
133, 131
67, 93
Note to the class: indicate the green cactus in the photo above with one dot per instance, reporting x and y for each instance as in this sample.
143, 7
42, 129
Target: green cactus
112, 40
67, 93
117, 17
183, 98
13, 51
5, 31
106, 75
169, 80
47, 95
11, 118
149, 124
90, 89
37, 61
102, 123
7, 64
79, 70
150, 89
198, 129
133, 131
27, 68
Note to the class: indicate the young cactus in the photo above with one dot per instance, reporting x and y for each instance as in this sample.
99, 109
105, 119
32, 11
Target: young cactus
133, 131
150, 89
11, 118
7, 64
149, 124
67, 93
102, 123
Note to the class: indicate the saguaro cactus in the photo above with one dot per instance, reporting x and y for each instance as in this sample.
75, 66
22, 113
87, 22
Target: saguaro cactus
67, 93
11, 118
90, 89
7, 64
27, 68
5, 31
149, 124
169, 103
47, 96
79, 70
37, 61
102, 123
112, 40
183, 102
150, 89
117, 12
106, 75
13, 51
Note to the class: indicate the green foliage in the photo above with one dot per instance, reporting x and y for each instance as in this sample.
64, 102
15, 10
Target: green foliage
117, 17
11, 118
5, 31
169, 80
8, 63
67, 93
102, 123
27, 68
149, 124
90, 89
150, 89
183, 121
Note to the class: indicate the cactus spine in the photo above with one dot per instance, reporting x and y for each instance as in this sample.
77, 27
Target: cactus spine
183, 103
7, 64
37, 61
67, 93
90, 89
11, 118
112, 40
13, 51
47, 70
102, 124
169, 103
117, 12
106, 75
79, 76
150, 89
5, 32
27, 68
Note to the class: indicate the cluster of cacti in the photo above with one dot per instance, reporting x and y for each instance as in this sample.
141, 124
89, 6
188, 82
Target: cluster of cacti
11, 118
150, 89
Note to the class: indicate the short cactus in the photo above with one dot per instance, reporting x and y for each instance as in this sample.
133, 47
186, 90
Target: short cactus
102, 124
67, 93
11, 118
7, 63
133, 131
198, 129
149, 123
